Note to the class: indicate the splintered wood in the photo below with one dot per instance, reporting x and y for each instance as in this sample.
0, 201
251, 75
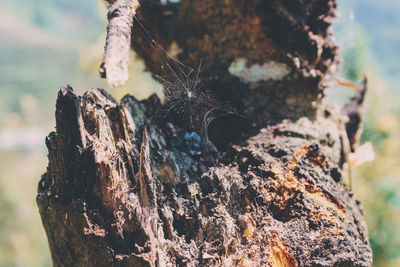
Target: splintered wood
276, 202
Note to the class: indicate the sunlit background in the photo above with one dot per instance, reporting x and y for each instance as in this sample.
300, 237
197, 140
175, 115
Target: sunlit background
45, 44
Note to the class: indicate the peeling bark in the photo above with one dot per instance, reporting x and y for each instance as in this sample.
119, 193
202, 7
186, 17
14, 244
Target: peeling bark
125, 188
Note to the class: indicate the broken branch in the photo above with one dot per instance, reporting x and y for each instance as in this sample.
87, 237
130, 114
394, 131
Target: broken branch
115, 62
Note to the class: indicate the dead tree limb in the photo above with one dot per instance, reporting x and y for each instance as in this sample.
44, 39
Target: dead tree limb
115, 62
125, 189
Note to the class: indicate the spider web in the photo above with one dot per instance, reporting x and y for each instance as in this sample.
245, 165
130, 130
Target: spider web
187, 101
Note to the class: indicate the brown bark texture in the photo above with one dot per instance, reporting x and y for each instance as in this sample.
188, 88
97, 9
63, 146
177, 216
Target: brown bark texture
258, 183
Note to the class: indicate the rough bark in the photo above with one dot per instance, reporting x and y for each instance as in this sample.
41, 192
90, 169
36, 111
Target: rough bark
124, 188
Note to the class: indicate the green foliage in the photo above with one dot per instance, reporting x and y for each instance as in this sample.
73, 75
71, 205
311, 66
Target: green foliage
39, 51
372, 134
385, 239
22, 238
355, 57
371, 46
32, 72
6, 225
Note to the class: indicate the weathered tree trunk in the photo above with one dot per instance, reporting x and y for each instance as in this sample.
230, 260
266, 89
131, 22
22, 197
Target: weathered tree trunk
125, 189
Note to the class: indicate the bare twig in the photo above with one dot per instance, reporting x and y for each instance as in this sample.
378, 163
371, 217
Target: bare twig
114, 66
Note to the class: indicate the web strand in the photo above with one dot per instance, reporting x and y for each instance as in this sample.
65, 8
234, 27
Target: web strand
155, 44
186, 100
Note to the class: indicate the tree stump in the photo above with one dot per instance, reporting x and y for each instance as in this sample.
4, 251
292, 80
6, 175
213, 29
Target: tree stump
124, 188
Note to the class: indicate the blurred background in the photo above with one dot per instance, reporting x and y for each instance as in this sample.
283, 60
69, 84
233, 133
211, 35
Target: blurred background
45, 44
